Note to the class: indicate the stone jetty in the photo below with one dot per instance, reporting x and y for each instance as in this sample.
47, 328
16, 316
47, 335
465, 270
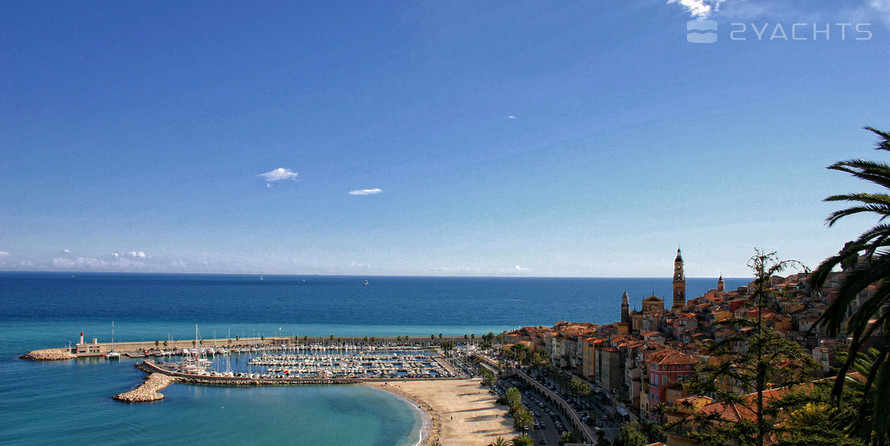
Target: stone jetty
148, 390
49, 354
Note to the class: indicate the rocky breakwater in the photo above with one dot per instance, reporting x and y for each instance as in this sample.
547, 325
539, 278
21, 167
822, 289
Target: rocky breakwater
50, 354
148, 390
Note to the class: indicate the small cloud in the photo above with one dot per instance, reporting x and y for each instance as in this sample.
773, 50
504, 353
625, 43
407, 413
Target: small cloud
511, 117
699, 9
520, 269
66, 251
133, 254
278, 175
4, 254
365, 191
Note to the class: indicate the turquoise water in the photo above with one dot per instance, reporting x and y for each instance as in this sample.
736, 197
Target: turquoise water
69, 402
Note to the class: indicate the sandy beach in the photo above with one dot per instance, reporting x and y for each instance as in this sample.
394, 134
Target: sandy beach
462, 412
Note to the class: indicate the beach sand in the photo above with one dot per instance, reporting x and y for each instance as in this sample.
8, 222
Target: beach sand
462, 411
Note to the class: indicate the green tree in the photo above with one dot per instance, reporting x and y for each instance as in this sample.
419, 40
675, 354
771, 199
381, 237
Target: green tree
578, 387
744, 367
157, 343
500, 441
523, 440
523, 420
574, 436
514, 399
871, 256
488, 378
630, 435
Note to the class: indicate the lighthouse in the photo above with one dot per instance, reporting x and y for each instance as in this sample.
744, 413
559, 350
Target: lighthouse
81, 339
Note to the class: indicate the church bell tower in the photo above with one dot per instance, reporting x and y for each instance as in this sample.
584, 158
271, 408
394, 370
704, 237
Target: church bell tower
679, 283
625, 309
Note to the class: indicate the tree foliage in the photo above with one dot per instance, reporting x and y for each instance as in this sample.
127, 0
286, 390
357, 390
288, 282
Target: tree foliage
741, 369
869, 257
630, 435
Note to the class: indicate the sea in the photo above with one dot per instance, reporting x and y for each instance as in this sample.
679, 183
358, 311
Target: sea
69, 402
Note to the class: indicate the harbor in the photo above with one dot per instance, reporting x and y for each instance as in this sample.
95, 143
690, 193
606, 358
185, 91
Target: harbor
178, 347
316, 363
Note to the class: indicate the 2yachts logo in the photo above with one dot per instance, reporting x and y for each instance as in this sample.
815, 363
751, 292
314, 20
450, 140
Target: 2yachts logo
705, 31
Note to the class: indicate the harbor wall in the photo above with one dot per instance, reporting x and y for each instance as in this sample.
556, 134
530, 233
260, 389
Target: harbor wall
101, 348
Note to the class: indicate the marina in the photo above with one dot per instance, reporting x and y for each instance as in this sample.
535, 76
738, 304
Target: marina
318, 363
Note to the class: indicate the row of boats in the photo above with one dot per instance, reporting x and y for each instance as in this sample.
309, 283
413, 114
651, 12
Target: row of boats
363, 365
356, 365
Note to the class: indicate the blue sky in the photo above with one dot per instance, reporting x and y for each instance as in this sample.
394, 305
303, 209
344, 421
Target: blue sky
575, 138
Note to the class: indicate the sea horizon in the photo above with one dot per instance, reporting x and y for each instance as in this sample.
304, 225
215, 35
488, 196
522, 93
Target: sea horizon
70, 401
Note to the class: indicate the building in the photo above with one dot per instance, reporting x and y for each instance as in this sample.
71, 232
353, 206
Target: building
653, 304
625, 309
666, 368
679, 284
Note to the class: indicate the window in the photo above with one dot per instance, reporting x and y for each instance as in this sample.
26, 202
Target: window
664, 380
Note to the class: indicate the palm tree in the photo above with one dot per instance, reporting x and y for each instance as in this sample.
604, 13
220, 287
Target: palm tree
870, 253
500, 441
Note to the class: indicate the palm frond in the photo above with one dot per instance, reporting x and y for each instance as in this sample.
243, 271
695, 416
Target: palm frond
882, 145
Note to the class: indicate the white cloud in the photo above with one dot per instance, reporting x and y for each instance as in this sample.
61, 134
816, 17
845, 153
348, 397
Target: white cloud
79, 262
365, 191
882, 7
4, 254
279, 174
511, 117
699, 8
66, 251
133, 254
520, 269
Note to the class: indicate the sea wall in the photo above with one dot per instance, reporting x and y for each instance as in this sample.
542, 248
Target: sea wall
147, 391
49, 354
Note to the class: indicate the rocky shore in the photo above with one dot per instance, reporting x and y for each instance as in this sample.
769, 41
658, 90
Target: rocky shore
148, 390
49, 354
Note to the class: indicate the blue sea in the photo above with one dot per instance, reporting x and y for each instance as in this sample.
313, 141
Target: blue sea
69, 402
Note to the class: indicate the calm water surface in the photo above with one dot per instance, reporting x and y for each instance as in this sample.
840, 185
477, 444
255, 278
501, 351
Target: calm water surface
69, 402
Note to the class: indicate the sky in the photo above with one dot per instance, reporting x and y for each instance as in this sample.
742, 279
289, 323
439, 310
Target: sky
461, 138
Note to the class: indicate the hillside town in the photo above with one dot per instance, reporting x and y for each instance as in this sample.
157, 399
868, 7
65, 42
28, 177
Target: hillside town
639, 364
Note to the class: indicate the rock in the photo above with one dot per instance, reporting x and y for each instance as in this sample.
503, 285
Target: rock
50, 354
147, 391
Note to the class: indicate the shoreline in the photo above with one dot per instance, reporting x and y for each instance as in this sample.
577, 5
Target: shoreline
427, 427
459, 411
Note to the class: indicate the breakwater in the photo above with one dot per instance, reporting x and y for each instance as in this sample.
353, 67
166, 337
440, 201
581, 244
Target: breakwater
148, 391
49, 354
176, 347
151, 367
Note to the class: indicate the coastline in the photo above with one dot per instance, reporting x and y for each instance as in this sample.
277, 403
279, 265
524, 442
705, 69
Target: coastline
456, 412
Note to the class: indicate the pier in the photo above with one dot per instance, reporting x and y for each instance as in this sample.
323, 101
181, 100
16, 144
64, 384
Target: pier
141, 349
